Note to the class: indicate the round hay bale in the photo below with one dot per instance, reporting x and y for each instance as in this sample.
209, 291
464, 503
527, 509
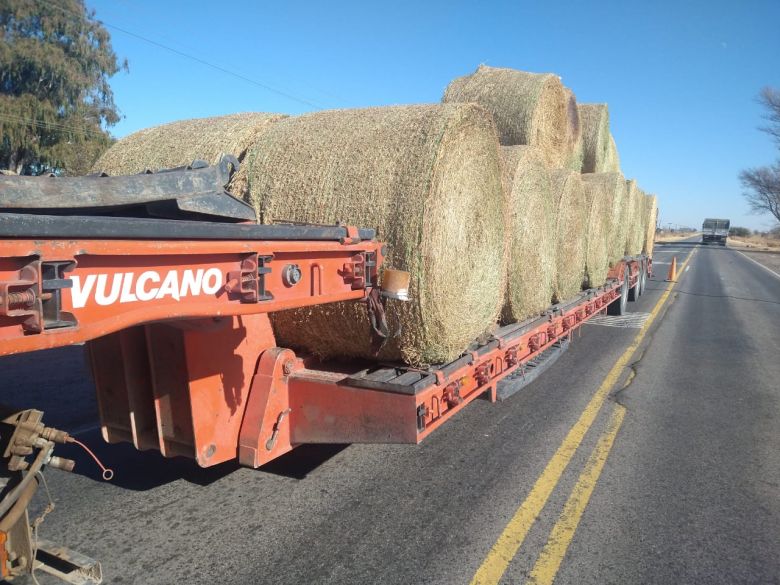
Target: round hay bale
570, 224
598, 200
614, 186
635, 229
595, 137
574, 133
531, 235
651, 218
529, 108
428, 178
179, 143
612, 162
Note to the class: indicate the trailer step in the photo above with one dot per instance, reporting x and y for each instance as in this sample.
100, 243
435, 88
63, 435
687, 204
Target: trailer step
532, 370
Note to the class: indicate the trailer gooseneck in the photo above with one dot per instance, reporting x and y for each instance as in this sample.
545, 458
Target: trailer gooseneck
174, 316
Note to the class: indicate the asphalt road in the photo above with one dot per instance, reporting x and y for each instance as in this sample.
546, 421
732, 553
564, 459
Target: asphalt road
687, 492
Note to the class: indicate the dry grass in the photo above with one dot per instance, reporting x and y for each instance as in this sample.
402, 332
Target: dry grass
529, 108
650, 219
179, 143
570, 222
429, 178
612, 163
614, 187
531, 237
599, 201
635, 232
599, 146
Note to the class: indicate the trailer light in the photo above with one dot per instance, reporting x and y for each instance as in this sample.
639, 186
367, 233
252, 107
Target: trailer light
395, 284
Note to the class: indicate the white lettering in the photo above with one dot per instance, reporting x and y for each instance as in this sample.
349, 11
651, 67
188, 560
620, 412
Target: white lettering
148, 276
101, 298
212, 281
127, 296
191, 282
170, 286
80, 293
125, 287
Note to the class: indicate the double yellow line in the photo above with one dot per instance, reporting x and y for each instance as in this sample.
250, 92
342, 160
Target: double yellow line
510, 540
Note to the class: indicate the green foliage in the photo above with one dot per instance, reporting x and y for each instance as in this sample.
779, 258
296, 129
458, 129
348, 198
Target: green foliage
740, 232
55, 99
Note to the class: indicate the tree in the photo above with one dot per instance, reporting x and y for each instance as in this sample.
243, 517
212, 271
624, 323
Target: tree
762, 189
762, 184
55, 99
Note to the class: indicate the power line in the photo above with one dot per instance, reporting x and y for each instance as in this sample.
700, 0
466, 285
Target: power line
48, 125
196, 59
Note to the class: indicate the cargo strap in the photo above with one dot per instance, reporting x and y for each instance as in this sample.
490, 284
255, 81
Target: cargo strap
380, 331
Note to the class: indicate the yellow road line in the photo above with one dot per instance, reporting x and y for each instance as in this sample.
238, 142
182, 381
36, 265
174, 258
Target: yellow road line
510, 540
549, 561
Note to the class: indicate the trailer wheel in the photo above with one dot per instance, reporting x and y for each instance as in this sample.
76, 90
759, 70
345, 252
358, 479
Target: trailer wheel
620, 305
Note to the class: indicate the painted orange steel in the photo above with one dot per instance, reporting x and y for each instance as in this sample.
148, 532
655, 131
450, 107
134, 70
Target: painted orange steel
201, 376
129, 282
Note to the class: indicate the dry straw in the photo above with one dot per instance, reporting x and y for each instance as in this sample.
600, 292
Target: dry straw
651, 217
598, 202
429, 178
529, 108
597, 140
179, 143
635, 227
614, 186
570, 216
574, 133
612, 163
531, 236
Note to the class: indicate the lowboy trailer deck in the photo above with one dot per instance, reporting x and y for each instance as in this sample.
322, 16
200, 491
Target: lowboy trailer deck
174, 317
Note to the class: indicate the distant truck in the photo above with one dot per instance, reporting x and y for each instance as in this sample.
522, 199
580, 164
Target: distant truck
715, 231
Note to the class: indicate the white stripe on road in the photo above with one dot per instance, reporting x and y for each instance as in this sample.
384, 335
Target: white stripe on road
687, 268
769, 270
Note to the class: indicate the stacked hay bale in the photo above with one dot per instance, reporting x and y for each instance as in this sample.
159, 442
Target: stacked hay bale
429, 179
600, 152
651, 218
531, 233
614, 189
598, 200
571, 218
635, 228
529, 108
612, 163
574, 129
179, 143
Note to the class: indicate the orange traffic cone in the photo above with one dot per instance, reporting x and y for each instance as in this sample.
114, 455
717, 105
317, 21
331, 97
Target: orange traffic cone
672, 276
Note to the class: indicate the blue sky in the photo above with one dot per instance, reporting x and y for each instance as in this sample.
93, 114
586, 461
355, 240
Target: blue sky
680, 78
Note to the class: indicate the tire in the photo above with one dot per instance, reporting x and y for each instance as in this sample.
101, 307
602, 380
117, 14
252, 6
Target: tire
643, 278
620, 305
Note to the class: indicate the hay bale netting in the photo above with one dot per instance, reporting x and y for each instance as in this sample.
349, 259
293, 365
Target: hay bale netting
429, 179
179, 143
635, 229
651, 218
531, 237
529, 108
570, 221
598, 200
596, 138
614, 186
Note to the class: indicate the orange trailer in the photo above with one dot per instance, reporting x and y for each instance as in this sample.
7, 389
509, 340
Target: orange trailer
173, 311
